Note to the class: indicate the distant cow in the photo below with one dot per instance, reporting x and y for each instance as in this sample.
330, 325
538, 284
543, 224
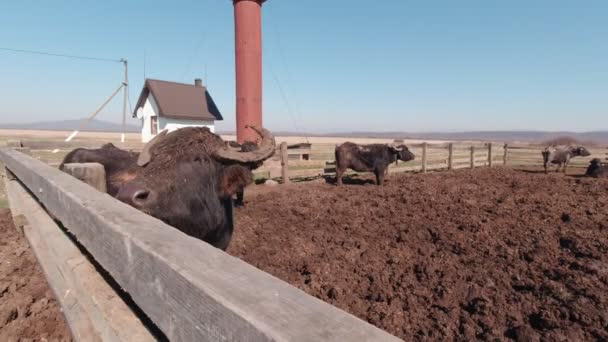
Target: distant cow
561, 155
597, 169
369, 158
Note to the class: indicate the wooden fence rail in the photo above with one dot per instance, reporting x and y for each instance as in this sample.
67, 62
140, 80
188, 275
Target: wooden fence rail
531, 156
301, 161
190, 290
435, 157
429, 157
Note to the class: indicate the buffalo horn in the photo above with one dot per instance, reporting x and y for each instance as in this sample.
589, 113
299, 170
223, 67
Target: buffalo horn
264, 151
145, 156
396, 147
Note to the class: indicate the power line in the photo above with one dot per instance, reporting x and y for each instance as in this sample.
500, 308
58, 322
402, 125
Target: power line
284, 96
201, 43
60, 55
297, 113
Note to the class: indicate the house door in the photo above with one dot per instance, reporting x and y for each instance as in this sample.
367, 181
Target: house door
154, 125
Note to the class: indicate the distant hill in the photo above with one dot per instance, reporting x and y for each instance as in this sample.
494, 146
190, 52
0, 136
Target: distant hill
69, 125
506, 136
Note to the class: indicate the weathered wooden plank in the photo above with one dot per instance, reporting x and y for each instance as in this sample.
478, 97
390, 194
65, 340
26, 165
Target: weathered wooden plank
284, 163
472, 157
14, 143
434, 161
424, 157
490, 155
462, 159
92, 308
450, 156
190, 290
299, 151
93, 174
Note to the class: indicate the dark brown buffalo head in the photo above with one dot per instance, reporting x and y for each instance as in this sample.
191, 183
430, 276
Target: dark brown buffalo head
402, 152
597, 168
580, 151
187, 178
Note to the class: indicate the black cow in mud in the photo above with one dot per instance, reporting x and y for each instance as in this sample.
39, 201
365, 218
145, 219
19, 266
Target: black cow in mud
247, 146
561, 155
185, 178
597, 169
369, 158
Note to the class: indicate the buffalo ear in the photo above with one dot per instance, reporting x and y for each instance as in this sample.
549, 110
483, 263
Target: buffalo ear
232, 179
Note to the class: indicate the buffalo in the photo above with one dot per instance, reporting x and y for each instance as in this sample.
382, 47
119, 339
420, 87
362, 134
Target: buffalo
597, 169
561, 155
369, 158
185, 178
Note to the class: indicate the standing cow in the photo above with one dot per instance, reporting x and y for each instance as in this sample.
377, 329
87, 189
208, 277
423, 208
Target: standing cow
185, 178
369, 158
597, 169
561, 155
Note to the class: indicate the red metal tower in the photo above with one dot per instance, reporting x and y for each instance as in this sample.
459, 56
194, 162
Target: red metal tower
248, 48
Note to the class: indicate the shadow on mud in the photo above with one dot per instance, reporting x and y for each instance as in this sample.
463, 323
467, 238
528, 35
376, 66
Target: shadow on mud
541, 172
349, 180
533, 171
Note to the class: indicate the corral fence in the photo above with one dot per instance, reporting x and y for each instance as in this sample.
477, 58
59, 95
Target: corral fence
305, 161
527, 155
318, 160
121, 275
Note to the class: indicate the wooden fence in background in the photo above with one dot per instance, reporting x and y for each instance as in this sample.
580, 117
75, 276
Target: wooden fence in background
319, 159
305, 161
530, 156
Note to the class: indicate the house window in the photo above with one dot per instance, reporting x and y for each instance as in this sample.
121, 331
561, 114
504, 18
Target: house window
154, 125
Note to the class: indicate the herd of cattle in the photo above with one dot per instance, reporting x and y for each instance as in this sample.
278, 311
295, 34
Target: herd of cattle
187, 178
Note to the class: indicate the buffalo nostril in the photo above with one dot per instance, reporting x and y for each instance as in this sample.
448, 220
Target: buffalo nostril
140, 196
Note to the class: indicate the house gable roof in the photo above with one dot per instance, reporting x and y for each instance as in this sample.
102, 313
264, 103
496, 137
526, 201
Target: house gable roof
179, 100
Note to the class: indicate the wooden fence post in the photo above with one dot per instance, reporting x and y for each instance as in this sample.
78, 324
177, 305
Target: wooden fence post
472, 157
93, 174
506, 155
14, 143
450, 156
284, 163
490, 154
424, 146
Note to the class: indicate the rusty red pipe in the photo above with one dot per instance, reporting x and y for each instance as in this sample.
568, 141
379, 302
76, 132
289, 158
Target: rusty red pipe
248, 49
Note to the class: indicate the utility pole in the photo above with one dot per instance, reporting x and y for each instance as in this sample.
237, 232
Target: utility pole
125, 85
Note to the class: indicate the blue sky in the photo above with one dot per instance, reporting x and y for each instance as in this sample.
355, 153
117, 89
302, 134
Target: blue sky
336, 65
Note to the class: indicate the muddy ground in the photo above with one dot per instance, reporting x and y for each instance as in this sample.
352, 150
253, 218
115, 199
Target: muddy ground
28, 309
472, 254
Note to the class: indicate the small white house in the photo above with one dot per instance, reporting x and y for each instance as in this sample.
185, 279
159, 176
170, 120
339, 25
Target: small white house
169, 105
